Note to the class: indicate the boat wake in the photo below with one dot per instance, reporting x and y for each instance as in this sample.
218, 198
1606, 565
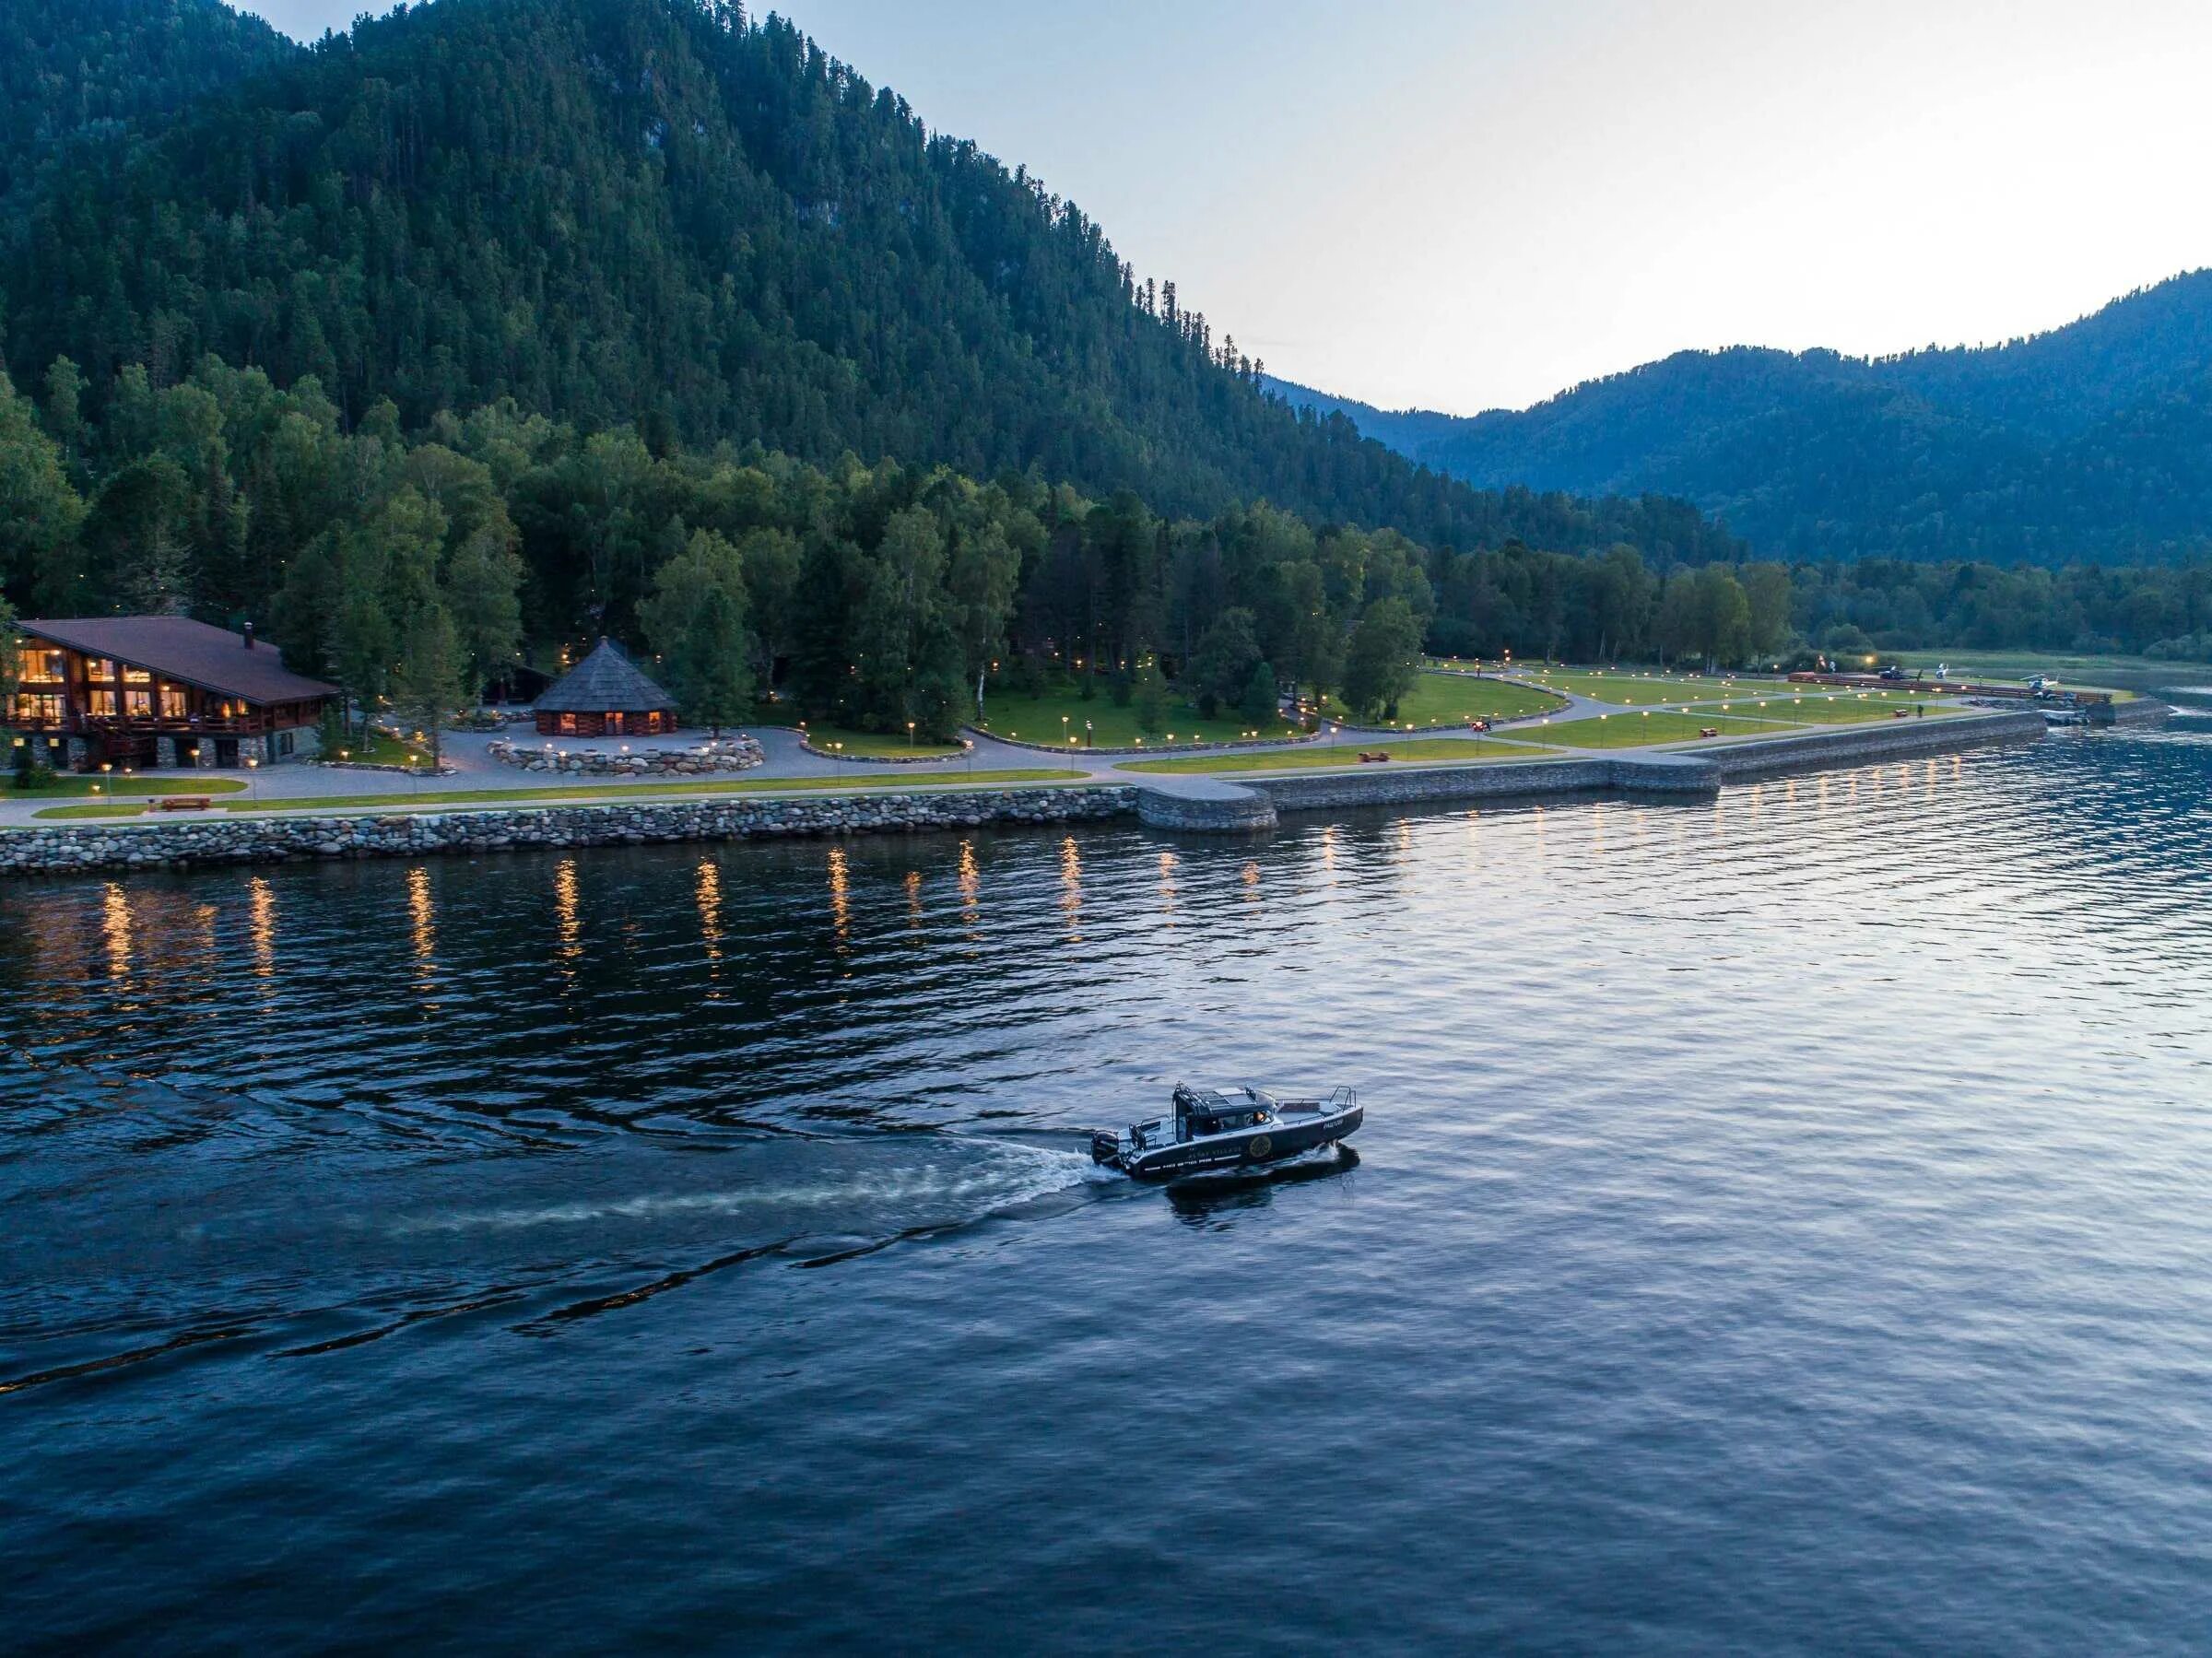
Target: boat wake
309, 1244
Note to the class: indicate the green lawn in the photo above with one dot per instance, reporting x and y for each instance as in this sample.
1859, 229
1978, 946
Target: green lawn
2075, 671
127, 809
381, 749
73, 785
1454, 699
1465, 751
1040, 720
1644, 688
1634, 730
1849, 708
874, 745
433, 800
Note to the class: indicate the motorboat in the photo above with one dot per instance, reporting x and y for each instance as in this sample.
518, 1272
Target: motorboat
1208, 1130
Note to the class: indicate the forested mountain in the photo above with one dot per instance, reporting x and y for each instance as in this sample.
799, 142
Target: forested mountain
97, 71
661, 212
498, 324
2093, 440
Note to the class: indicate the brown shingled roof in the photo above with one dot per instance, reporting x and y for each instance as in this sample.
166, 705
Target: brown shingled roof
176, 647
605, 682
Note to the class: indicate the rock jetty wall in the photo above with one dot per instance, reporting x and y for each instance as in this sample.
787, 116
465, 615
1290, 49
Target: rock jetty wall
202, 842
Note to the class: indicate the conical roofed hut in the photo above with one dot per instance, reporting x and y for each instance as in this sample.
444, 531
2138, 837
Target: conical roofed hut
604, 695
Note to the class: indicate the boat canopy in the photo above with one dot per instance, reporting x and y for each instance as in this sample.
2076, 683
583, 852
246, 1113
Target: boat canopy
1219, 1102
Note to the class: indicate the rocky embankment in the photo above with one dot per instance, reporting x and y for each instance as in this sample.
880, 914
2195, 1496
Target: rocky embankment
83, 847
1193, 805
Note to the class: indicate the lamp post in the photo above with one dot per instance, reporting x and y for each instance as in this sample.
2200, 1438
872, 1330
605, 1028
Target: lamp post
253, 768
909, 735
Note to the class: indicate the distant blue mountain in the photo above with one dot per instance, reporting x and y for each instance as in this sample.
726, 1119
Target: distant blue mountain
2092, 441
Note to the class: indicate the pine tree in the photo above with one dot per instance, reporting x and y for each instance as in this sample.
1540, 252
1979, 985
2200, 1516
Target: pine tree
427, 688
696, 621
1258, 706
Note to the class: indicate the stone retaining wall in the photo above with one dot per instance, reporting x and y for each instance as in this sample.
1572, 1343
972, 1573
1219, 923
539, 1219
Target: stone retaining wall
2141, 711
1229, 809
1504, 780
704, 759
1878, 742
93, 846
1197, 805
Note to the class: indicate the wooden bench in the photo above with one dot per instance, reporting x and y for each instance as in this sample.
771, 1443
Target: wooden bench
1709, 731
183, 802
1373, 759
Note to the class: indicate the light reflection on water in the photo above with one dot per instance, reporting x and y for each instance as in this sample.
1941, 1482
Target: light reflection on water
1781, 1223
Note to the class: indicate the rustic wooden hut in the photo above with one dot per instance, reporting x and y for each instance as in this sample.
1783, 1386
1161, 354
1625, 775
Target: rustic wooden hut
604, 695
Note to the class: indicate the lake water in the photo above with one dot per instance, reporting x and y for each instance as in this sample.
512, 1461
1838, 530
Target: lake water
1779, 1224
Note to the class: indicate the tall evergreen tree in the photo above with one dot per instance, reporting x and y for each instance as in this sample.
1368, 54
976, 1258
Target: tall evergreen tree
696, 621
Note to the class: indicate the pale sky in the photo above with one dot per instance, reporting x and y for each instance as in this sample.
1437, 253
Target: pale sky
1469, 204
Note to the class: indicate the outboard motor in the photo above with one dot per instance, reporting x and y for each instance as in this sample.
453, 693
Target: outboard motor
1104, 1146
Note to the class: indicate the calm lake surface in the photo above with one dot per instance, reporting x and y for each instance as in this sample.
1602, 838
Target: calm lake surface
1782, 1224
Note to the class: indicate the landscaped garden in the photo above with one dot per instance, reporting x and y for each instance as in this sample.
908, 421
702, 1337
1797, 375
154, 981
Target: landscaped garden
1055, 716
1465, 751
1845, 708
1639, 689
874, 746
1454, 698
381, 749
1633, 730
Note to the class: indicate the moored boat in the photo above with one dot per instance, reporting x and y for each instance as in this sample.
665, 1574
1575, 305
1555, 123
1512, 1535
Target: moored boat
1208, 1130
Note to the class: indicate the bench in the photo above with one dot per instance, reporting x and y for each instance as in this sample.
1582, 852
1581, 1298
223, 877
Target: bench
1709, 731
183, 802
1373, 759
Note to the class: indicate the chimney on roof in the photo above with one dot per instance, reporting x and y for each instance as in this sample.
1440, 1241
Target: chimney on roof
249, 636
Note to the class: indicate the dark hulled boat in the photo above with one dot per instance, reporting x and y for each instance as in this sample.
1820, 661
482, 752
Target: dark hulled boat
1213, 1129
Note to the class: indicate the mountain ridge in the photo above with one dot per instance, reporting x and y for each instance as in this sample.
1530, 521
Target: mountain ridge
665, 213
2090, 439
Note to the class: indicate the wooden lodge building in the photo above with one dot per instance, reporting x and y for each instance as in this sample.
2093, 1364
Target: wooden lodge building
606, 695
159, 691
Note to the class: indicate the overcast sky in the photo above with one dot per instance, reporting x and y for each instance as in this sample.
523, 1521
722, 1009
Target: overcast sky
1464, 204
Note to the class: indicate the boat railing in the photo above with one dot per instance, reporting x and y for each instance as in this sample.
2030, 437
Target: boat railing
1343, 1100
